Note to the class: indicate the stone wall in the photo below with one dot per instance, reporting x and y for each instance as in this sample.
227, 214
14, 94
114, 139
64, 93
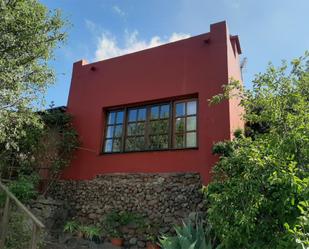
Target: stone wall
163, 199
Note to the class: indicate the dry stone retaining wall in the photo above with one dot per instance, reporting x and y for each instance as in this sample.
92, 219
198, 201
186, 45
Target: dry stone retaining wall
163, 199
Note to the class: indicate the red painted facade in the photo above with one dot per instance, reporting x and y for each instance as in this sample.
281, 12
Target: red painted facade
195, 66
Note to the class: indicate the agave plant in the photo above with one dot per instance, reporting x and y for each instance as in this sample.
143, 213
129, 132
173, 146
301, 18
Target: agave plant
191, 235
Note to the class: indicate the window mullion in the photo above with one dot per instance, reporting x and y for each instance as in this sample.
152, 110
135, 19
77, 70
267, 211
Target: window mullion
124, 132
147, 125
171, 130
186, 106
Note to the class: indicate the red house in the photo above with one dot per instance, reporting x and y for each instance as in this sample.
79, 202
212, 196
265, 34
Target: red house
148, 111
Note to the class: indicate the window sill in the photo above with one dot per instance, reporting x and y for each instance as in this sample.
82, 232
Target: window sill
142, 151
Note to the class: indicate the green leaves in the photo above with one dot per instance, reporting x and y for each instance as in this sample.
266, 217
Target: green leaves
28, 34
259, 195
190, 235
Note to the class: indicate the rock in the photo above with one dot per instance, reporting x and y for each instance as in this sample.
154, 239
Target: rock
132, 241
141, 244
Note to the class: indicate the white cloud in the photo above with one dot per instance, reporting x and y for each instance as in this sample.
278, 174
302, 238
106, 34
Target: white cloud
107, 46
118, 11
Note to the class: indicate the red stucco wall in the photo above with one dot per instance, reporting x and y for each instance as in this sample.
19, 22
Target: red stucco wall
190, 66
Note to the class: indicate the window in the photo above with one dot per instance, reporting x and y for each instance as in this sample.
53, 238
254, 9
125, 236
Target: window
114, 134
159, 126
135, 137
185, 124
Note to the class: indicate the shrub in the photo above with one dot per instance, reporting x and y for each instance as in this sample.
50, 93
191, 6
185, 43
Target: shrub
20, 231
115, 220
24, 188
258, 198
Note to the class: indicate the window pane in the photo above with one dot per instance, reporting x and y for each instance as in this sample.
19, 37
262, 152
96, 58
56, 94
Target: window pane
142, 114
111, 118
118, 131
140, 128
180, 109
108, 145
154, 127
158, 142
164, 126
191, 107
191, 139
180, 124
110, 131
129, 144
180, 140
119, 118
165, 111
132, 115
159, 127
154, 112
131, 129
135, 143
116, 145
191, 123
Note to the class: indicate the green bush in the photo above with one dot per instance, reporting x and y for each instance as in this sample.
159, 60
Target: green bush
19, 231
258, 198
24, 188
115, 220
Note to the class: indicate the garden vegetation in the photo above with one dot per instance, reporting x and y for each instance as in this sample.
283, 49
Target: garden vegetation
259, 194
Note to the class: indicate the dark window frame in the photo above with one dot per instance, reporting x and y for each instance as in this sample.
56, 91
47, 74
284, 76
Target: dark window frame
171, 125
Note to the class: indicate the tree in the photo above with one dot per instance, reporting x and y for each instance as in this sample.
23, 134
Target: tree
28, 34
259, 194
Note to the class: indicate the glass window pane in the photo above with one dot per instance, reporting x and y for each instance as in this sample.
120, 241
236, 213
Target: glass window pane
180, 109
165, 111
158, 142
111, 118
135, 144
164, 126
140, 128
179, 140
191, 108
191, 123
118, 131
110, 131
154, 127
154, 112
142, 114
129, 144
153, 142
191, 139
116, 145
159, 127
119, 118
132, 115
163, 141
108, 145
131, 129
180, 124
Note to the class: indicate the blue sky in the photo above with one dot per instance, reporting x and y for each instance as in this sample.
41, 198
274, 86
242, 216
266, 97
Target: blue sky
269, 30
